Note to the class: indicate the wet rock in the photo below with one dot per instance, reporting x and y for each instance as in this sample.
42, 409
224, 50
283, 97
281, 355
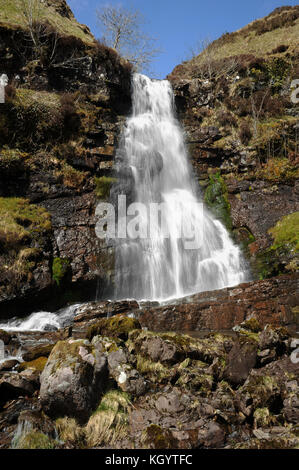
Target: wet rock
159, 350
117, 326
8, 365
5, 336
240, 360
128, 379
73, 379
270, 301
42, 350
13, 385
211, 436
272, 337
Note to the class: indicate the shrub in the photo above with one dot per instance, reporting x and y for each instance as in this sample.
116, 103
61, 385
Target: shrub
60, 268
225, 118
280, 49
10, 93
71, 120
245, 133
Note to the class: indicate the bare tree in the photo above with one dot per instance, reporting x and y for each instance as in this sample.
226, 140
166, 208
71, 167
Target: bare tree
43, 39
257, 107
208, 65
122, 30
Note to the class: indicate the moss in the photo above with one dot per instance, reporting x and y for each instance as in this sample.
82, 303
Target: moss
286, 233
192, 379
38, 364
216, 197
155, 437
261, 417
60, 268
22, 221
67, 352
252, 324
278, 170
11, 14
36, 440
116, 326
71, 177
103, 186
154, 371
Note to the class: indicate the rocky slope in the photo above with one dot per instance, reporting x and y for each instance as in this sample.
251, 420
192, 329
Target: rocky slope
241, 125
106, 383
65, 104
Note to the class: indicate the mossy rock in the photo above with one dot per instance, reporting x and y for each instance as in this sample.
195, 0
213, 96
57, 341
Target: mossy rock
103, 186
155, 437
252, 324
216, 198
36, 440
154, 371
38, 364
116, 326
40, 351
286, 233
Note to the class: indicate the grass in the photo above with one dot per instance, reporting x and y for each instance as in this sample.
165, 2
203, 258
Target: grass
29, 98
286, 232
106, 426
11, 13
21, 220
249, 42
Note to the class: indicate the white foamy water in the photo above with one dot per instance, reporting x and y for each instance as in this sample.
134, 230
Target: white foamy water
42, 321
153, 157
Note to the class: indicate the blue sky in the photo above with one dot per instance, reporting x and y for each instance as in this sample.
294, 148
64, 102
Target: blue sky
179, 24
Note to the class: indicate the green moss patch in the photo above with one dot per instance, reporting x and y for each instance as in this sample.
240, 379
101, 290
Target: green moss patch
36, 440
286, 233
38, 364
216, 197
103, 186
116, 326
60, 268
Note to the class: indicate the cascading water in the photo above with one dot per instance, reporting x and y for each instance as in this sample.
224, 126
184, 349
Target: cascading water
153, 167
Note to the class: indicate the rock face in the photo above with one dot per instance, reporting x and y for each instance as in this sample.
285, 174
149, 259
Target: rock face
60, 157
72, 380
270, 301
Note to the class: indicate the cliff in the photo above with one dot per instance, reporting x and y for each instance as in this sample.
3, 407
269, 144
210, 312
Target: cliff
65, 104
241, 125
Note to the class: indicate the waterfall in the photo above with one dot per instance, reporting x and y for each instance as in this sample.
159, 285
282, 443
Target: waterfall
153, 168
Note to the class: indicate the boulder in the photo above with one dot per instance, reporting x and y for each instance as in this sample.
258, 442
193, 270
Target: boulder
73, 379
241, 359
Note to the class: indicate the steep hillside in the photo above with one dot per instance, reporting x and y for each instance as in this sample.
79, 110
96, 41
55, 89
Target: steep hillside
235, 101
65, 103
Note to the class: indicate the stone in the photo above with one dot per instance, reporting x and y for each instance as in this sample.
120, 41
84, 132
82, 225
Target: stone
128, 379
73, 380
240, 360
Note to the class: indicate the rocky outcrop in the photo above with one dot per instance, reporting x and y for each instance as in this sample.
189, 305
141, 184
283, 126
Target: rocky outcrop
72, 380
131, 387
63, 113
270, 301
